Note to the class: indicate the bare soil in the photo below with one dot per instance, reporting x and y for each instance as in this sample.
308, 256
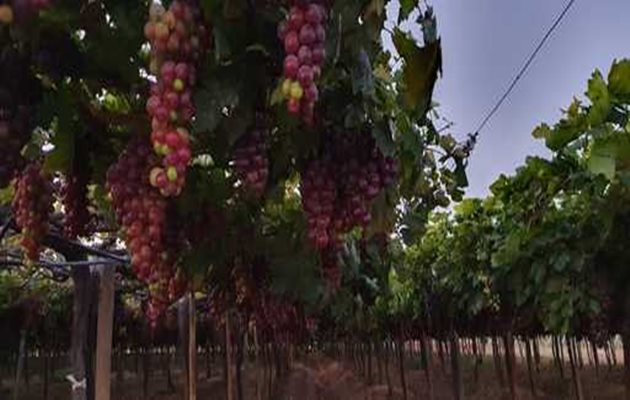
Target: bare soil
321, 378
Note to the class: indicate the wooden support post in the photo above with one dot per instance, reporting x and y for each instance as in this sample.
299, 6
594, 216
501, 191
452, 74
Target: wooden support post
105, 324
80, 329
20, 365
192, 348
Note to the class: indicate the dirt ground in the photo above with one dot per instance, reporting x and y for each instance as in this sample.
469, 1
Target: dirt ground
321, 378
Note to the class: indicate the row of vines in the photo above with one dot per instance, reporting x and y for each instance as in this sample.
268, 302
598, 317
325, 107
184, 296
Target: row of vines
269, 181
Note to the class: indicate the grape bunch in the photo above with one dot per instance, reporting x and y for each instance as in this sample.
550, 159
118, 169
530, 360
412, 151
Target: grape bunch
251, 164
364, 173
32, 206
338, 190
303, 36
13, 136
142, 212
178, 38
75, 202
318, 189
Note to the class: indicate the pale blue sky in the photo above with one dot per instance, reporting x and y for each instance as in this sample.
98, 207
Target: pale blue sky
486, 41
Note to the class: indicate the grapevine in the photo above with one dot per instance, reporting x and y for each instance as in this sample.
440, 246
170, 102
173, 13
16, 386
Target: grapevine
303, 35
32, 207
177, 38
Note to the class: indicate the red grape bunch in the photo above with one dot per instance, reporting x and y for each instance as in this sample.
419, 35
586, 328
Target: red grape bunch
32, 206
303, 35
364, 173
142, 212
75, 203
177, 37
318, 189
338, 191
251, 164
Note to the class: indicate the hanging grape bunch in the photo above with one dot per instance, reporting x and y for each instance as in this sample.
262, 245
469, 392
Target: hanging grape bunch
338, 190
303, 36
318, 189
364, 173
75, 203
178, 38
142, 212
251, 164
32, 206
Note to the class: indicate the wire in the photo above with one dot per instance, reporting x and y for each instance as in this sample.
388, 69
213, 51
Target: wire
525, 67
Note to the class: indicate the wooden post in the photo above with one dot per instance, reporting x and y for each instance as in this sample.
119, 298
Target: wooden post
510, 363
102, 385
192, 348
498, 366
530, 372
230, 361
458, 380
81, 277
20, 365
579, 394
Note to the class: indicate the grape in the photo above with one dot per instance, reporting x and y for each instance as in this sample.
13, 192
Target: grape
75, 202
32, 206
143, 214
303, 35
251, 164
178, 38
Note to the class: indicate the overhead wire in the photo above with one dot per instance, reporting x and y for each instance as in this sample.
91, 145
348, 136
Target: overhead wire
525, 67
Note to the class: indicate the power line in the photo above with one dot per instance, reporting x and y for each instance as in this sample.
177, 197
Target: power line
525, 66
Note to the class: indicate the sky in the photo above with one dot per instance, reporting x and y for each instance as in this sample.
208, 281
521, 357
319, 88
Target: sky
485, 42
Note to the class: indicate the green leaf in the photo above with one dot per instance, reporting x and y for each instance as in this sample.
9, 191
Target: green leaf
619, 79
600, 99
61, 157
602, 158
406, 7
420, 70
383, 140
6, 194
542, 131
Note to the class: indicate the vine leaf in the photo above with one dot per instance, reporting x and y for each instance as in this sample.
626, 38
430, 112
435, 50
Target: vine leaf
602, 158
619, 80
600, 99
420, 70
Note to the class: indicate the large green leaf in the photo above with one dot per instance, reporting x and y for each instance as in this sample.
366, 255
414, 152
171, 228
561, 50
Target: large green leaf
420, 70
